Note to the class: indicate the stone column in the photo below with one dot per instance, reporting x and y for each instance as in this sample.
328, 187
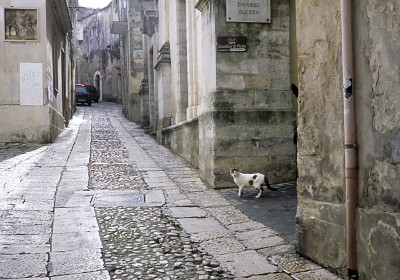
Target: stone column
247, 116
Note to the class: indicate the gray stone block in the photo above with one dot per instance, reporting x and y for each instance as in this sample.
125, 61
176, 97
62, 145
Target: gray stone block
22, 266
246, 264
79, 261
187, 212
195, 225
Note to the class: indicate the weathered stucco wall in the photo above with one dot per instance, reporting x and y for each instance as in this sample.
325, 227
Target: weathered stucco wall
21, 123
378, 114
321, 187
40, 122
321, 193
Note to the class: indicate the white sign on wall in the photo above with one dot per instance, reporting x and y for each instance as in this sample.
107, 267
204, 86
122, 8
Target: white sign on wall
31, 83
258, 11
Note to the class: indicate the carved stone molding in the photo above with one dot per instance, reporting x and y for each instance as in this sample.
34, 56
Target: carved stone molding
164, 55
149, 18
201, 4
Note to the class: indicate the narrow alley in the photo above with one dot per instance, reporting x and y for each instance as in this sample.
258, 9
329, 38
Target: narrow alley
104, 201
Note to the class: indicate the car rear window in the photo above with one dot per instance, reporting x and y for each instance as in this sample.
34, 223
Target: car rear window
80, 89
91, 89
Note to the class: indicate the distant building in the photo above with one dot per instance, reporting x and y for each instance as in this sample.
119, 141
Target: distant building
36, 66
126, 23
97, 52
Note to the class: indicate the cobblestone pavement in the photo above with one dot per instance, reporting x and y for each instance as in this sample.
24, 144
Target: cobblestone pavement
106, 202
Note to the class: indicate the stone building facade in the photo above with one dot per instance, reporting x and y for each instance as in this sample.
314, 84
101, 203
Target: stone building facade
97, 52
36, 93
220, 108
321, 222
126, 23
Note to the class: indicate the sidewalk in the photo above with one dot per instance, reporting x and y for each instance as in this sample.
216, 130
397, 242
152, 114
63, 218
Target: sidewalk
105, 201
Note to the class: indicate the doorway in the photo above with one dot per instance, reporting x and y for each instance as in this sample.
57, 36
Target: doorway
98, 84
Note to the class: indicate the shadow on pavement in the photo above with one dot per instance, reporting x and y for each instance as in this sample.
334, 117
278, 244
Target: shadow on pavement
13, 150
274, 209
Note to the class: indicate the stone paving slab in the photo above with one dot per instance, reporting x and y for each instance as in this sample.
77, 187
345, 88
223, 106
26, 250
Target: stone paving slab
78, 261
78, 199
161, 185
35, 205
75, 224
24, 249
278, 250
196, 225
221, 246
187, 212
207, 235
181, 202
246, 264
24, 239
21, 229
23, 266
209, 200
66, 213
62, 242
228, 215
317, 274
261, 238
293, 263
274, 276
246, 226
26, 215
96, 275
34, 278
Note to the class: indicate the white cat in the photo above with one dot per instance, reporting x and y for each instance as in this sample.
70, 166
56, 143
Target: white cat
256, 180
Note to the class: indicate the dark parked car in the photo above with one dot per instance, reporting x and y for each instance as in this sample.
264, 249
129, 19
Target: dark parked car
84, 90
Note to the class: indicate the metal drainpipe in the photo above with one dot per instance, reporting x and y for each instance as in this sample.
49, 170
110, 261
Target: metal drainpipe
350, 139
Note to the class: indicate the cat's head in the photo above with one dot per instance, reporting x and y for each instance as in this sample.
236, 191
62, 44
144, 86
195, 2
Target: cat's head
234, 172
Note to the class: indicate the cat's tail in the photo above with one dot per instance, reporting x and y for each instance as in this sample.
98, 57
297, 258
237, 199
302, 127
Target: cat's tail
267, 184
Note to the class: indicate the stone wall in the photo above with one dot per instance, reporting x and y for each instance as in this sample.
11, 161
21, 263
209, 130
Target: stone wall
247, 103
183, 140
321, 193
377, 38
241, 100
321, 184
134, 63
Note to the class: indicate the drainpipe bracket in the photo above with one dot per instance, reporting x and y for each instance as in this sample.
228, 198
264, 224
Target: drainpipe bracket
350, 146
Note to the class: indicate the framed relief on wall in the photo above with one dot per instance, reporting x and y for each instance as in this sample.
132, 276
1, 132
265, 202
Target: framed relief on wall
21, 24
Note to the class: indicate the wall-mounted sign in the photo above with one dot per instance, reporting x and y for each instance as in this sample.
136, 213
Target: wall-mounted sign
258, 11
232, 44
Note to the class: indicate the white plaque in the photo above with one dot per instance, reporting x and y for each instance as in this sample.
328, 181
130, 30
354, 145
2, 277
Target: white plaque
258, 11
31, 83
